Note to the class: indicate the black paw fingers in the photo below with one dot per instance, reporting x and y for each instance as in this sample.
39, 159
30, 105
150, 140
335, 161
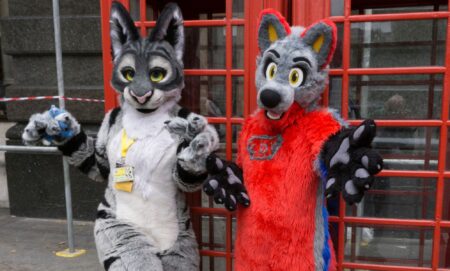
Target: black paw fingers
332, 188
362, 179
363, 134
351, 193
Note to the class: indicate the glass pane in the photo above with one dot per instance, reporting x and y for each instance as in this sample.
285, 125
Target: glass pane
408, 198
335, 93
445, 248
238, 8
390, 246
398, 43
233, 232
361, 7
210, 263
336, 62
446, 203
238, 47
204, 9
238, 96
409, 148
415, 96
205, 48
205, 95
213, 232
337, 7
135, 10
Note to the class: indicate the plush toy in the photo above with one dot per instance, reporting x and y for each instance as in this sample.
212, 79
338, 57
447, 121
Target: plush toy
53, 124
150, 150
292, 153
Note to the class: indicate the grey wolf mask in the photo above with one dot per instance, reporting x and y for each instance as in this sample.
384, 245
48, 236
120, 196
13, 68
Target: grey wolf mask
292, 65
148, 71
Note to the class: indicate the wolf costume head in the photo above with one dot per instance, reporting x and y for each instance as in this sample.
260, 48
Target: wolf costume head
292, 65
148, 71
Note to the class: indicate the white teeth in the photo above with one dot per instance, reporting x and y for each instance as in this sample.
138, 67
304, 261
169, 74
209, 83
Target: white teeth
273, 116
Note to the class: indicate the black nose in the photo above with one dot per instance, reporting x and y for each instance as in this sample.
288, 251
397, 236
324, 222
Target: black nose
270, 98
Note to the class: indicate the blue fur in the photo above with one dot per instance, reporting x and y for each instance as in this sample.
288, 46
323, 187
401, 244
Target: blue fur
65, 132
323, 170
326, 253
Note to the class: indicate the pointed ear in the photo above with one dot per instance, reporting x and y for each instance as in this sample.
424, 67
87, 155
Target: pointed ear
169, 27
272, 27
322, 38
122, 28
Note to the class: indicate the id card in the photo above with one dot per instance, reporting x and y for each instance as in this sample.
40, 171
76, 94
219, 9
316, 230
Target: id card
123, 178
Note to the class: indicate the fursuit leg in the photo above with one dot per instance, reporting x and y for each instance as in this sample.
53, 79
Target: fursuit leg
121, 247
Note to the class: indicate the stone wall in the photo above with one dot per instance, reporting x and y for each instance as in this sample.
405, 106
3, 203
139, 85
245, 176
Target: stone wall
35, 182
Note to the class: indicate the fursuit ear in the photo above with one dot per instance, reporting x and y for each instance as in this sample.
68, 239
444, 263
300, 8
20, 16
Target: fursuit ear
322, 38
272, 27
169, 27
122, 28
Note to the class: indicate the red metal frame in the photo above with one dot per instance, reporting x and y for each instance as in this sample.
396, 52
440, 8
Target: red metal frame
436, 224
304, 12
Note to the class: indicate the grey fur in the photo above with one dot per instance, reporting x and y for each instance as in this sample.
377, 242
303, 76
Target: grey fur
289, 52
121, 242
263, 32
319, 231
160, 52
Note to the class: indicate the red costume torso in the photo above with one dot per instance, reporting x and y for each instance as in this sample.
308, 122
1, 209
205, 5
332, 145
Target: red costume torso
277, 231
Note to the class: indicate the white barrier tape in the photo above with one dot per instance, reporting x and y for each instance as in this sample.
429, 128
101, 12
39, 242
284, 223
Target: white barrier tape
33, 98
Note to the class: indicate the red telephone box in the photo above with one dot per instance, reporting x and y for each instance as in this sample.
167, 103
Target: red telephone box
391, 65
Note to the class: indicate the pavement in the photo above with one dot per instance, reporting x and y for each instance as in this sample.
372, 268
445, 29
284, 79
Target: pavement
30, 244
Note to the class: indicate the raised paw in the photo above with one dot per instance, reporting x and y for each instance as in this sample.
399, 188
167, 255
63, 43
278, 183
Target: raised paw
225, 183
54, 126
177, 126
351, 162
193, 157
187, 129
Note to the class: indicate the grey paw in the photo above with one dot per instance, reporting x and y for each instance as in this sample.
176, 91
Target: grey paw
189, 128
177, 126
193, 158
43, 126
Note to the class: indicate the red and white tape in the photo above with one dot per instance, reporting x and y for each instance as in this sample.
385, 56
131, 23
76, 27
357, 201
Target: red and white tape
32, 98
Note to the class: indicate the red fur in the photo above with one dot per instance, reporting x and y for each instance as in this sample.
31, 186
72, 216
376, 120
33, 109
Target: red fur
276, 232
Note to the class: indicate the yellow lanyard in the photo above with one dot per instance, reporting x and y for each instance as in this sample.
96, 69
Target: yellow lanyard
125, 144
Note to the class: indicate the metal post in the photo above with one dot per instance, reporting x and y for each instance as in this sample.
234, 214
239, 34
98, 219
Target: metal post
67, 189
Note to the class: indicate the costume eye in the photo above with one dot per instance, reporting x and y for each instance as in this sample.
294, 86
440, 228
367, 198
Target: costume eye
296, 77
271, 70
157, 75
128, 73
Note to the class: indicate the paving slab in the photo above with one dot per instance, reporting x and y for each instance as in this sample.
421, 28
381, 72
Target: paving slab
30, 244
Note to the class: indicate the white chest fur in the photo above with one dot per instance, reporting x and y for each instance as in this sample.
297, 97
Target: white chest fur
152, 204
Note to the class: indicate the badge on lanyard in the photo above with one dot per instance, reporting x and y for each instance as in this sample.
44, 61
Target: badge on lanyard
123, 174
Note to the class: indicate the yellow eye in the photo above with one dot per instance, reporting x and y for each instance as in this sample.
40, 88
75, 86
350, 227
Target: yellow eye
271, 70
157, 75
296, 77
128, 74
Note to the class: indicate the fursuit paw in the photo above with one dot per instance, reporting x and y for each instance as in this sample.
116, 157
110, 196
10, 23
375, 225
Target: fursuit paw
187, 129
193, 157
53, 127
225, 183
351, 162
